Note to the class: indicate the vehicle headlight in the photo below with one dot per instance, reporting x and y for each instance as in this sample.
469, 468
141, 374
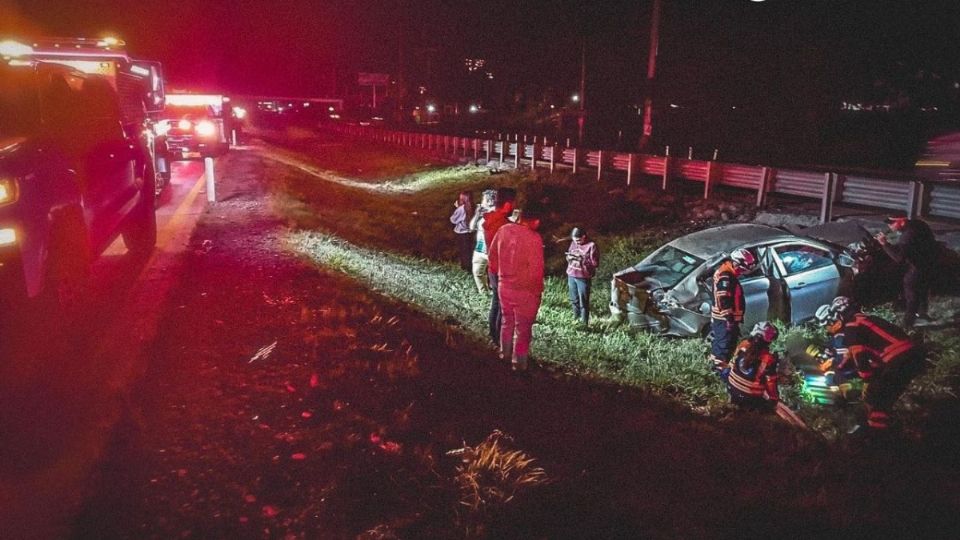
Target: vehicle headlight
161, 128
8, 237
9, 192
184, 125
206, 128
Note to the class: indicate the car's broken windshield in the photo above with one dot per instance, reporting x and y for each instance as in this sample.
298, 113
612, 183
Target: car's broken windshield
669, 265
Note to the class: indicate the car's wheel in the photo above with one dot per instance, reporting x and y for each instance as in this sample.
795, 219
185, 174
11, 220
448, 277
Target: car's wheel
140, 230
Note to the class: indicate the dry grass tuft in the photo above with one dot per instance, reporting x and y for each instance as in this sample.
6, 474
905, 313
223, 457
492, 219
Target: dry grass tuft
492, 474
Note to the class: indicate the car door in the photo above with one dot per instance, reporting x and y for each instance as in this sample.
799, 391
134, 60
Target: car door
755, 292
810, 275
112, 188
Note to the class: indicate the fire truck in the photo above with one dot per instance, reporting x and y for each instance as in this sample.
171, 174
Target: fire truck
193, 126
139, 83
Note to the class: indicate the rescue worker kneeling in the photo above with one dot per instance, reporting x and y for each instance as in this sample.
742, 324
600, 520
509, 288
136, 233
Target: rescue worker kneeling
884, 356
751, 376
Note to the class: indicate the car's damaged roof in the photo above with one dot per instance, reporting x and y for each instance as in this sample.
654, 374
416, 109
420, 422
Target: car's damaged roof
709, 242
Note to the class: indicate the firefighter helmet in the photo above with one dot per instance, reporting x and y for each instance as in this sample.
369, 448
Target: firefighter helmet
844, 307
825, 315
743, 260
765, 331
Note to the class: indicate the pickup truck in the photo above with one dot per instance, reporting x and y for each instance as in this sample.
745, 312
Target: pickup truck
74, 175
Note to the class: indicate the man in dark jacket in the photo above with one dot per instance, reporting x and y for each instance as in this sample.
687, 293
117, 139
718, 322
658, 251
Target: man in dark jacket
917, 248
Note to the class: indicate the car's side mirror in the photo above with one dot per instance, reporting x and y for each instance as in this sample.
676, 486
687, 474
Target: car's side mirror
845, 260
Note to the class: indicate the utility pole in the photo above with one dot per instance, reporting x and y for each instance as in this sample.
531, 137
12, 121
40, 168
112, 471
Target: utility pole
651, 75
583, 86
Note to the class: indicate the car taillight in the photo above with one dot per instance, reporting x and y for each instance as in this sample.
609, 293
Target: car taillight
184, 124
206, 128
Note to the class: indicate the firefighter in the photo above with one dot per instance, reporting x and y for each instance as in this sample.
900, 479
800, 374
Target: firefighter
728, 306
751, 376
885, 357
917, 248
835, 361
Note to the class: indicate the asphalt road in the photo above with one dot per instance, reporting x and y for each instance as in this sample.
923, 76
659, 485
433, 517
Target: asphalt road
58, 409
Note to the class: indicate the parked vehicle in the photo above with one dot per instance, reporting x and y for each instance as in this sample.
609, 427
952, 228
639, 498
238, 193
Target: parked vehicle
192, 126
139, 84
670, 290
74, 175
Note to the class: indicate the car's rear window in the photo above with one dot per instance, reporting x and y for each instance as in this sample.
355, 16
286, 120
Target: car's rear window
669, 265
18, 103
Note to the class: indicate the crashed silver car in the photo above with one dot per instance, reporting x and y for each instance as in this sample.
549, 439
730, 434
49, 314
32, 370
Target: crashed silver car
670, 291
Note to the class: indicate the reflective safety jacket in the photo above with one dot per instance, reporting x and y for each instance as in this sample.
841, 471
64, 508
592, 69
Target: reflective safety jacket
873, 342
753, 370
728, 301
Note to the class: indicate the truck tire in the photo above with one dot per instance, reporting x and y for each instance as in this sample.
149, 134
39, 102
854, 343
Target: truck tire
140, 230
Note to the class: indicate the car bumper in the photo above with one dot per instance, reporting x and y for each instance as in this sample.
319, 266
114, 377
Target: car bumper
635, 306
189, 148
13, 288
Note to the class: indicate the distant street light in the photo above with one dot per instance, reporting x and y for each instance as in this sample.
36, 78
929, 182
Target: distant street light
474, 108
575, 98
431, 108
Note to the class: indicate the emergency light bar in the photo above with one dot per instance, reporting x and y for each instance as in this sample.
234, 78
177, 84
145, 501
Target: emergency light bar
195, 100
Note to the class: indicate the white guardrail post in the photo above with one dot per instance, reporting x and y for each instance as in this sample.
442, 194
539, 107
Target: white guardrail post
826, 202
763, 187
211, 184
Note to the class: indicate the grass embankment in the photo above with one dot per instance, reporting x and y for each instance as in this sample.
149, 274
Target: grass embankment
394, 236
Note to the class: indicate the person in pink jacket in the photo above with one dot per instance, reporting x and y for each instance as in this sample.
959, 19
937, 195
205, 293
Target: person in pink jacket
582, 262
516, 256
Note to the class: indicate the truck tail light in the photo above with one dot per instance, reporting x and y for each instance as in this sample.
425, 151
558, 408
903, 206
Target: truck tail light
206, 128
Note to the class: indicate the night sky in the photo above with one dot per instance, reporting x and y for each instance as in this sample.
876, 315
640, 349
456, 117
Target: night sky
714, 54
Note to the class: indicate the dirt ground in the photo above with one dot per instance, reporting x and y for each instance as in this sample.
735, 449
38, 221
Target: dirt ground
284, 401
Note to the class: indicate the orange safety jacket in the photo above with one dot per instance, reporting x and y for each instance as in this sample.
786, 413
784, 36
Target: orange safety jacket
874, 342
728, 301
753, 370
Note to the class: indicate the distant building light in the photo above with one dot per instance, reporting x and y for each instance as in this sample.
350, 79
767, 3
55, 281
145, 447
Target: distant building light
575, 98
331, 108
306, 103
474, 108
674, 106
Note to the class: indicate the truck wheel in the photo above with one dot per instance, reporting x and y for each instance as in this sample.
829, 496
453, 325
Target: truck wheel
140, 231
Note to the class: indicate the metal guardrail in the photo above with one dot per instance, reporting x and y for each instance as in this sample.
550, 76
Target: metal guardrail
916, 197
944, 201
